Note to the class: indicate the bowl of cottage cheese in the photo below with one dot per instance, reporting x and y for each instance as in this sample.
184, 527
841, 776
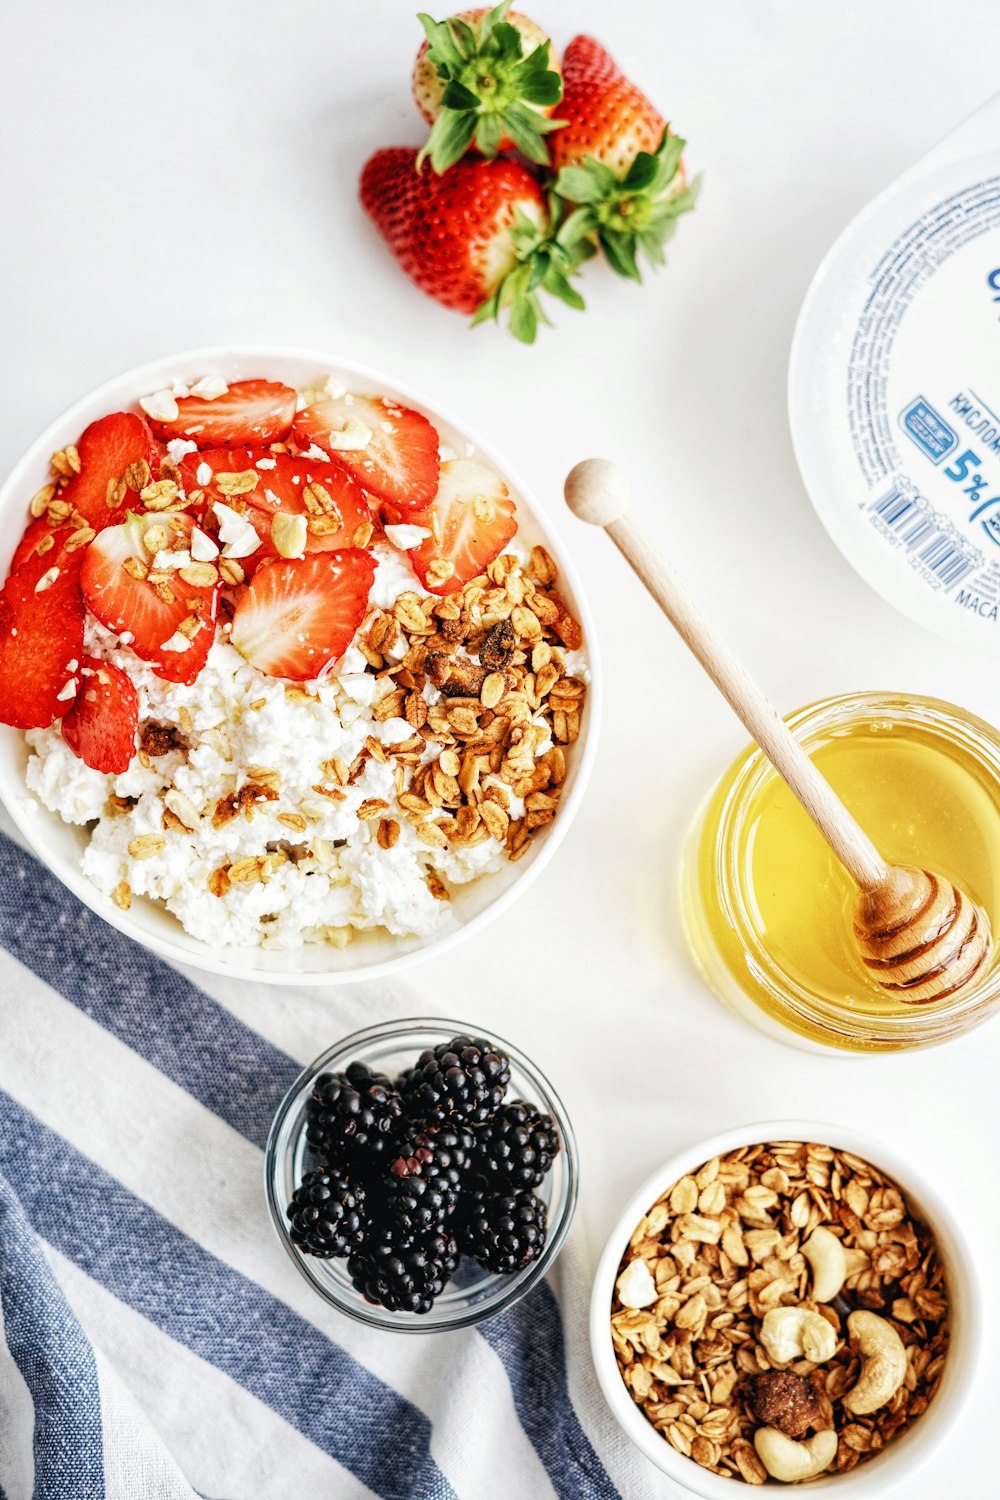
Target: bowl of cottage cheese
313, 692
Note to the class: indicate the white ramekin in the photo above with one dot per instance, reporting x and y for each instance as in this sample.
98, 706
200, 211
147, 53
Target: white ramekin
59, 845
901, 1458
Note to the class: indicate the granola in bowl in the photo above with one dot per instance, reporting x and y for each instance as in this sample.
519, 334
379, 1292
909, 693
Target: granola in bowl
781, 1313
296, 668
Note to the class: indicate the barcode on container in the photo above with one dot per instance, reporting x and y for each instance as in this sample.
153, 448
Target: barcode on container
920, 534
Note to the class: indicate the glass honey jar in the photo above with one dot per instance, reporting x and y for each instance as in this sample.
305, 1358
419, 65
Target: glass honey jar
767, 907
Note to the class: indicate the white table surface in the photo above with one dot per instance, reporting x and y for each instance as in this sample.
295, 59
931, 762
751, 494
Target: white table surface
186, 174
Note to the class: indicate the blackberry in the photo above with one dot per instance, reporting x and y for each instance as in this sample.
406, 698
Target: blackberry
504, 1233
516, 1148
327, 1213
441, 1151
353, 1113
462, 1081
404, 1280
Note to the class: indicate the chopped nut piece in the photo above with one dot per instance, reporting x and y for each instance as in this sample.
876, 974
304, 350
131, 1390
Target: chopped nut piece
456, 676
289, 533
499, 646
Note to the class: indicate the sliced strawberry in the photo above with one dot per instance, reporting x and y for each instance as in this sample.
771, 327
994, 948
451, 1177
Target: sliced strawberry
41, 646
297, 618
336, 510
35, 553
399, 461
108, 448
250, 411
152, 614
471, 521
100, 726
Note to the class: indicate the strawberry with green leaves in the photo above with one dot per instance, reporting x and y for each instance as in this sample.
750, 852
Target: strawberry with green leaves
480, 239
616, 160
484, 78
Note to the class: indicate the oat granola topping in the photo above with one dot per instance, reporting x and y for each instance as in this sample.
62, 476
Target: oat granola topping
723, 1248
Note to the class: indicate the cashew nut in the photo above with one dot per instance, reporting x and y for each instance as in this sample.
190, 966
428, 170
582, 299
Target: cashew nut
883, 1362
789, 1333
789, 1461
636, 1287
828, 1263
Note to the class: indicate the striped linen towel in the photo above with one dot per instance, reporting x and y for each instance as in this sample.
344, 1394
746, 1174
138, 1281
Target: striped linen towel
155, 1341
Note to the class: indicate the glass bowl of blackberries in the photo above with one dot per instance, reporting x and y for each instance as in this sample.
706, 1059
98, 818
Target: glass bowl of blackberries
422, 1176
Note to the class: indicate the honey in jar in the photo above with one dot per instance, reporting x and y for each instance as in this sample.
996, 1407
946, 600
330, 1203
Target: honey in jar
769, 909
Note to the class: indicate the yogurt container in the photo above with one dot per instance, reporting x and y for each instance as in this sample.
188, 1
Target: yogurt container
894, 389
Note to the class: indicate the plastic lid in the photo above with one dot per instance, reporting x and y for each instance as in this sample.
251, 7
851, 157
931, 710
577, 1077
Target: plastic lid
894, 397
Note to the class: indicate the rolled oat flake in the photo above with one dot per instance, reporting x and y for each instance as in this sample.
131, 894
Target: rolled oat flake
894, 392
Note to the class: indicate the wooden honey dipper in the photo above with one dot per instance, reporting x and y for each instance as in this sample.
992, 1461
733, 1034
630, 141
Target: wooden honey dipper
921, 938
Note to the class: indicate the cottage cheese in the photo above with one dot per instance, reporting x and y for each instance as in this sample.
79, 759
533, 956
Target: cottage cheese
241, 721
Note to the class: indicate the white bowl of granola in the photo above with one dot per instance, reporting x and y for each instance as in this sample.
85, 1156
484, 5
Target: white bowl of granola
299, 802
704, 1305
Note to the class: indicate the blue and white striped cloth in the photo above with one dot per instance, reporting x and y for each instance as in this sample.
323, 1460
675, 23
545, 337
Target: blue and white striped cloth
155, 1342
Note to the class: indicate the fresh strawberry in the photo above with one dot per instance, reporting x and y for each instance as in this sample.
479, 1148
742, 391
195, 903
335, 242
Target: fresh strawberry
471, 520
249, 411
484, 77
112, 447
297, 618
101, 724
399, 460
41, 645
616, 159
155, 610
334, 505
479, 239
41, 548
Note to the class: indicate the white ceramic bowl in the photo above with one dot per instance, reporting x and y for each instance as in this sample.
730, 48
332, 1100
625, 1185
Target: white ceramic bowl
60, 844
900, 1460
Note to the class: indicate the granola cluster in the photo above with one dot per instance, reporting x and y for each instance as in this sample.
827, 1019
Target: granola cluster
493, 654
723, 1248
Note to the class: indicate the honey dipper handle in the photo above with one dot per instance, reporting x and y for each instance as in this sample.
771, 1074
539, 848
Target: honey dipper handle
597, 492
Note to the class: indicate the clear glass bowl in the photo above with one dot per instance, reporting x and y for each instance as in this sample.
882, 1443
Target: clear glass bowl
722, 910
475, 1294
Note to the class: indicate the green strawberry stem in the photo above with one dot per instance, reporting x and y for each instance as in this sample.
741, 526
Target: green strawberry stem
636, 212
489, 86
545, 263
